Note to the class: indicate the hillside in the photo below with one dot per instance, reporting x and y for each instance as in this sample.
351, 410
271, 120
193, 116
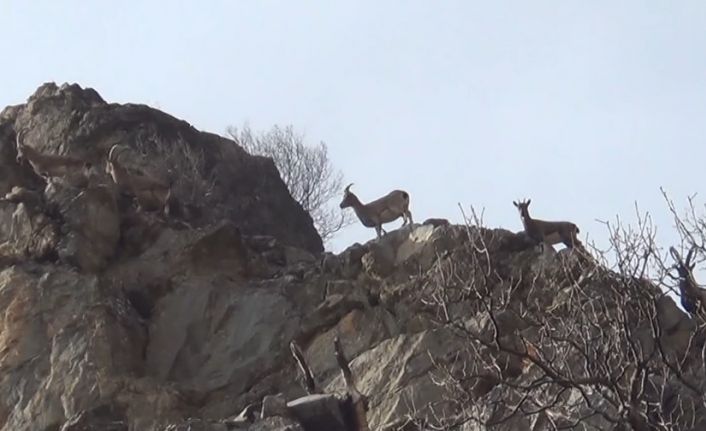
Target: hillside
114, 318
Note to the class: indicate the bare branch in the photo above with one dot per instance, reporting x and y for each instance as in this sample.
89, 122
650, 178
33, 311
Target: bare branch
306, 170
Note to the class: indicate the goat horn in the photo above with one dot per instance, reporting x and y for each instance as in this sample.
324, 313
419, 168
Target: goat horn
348, 187
690, 255
675, 254
113, 152
18, 136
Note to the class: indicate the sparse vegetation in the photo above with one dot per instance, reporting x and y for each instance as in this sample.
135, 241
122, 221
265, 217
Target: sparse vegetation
586, 344
306, 170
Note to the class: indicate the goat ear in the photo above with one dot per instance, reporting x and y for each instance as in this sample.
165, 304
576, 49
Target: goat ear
516, 204
529, 201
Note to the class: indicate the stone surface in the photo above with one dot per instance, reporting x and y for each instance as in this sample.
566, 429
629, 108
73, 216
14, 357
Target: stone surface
116, 319
213, 172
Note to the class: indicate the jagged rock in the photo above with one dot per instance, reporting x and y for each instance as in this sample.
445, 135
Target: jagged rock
359, 330
318, 412
105, 418
26, 232
61, 351
112, 317
202, 335
221, 248
296, 256
198, 425
92, 225
228, 182
274, 405
379, 261
331, 264
395, 375
351, 260
436, 222
276, 424
331, 310
12, 174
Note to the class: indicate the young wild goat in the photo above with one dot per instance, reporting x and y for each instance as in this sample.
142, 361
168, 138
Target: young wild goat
151, 193
547, 232
692, 296
384, 210
48, 166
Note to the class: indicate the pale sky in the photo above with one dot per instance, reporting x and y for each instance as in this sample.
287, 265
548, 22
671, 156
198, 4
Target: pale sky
585, 107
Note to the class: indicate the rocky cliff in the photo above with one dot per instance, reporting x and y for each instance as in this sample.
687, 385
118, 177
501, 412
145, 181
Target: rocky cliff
113, 318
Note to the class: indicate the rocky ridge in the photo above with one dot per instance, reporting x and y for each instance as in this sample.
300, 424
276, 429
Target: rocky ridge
116, 319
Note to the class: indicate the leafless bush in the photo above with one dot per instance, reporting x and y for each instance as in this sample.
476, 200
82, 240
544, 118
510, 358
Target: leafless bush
306, 170
569, 341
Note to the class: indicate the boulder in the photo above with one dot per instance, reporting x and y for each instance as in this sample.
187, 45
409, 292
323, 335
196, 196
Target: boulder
91, 225
120, 319
224, 180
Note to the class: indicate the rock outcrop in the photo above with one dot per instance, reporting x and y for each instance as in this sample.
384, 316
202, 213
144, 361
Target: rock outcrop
118, 319
212, 177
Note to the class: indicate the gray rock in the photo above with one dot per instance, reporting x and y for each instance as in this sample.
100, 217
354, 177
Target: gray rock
91, 225
112, 318
102, 417
227, 182
276, 424
274, 405
436, 222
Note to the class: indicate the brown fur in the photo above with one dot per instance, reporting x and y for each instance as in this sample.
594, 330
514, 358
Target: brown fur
383, 210
151, 194
548, 232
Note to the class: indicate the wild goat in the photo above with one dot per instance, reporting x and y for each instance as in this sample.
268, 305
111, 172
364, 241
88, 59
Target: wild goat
547, 232
48, 165
151, 193
692, 296
384, 210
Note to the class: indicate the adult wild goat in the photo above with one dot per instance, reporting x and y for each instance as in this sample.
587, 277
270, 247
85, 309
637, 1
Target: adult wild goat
384, 210
150, 193
547, 232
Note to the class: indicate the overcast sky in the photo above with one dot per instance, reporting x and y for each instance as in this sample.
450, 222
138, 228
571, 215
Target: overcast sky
585, 107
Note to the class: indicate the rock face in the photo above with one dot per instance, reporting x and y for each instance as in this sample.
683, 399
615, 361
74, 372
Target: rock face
116, 319
210, 175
